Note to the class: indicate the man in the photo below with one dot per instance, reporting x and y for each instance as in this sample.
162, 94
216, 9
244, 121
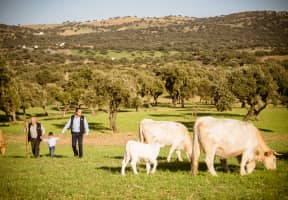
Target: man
35, 131
79, 126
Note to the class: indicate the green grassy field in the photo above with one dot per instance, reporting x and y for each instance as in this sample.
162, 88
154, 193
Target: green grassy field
97, 175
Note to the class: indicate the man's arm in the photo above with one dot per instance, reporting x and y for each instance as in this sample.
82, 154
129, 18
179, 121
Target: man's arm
67, 125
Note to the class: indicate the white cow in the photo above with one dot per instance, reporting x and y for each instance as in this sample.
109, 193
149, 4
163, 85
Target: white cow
166, 133
230, 138
136, 151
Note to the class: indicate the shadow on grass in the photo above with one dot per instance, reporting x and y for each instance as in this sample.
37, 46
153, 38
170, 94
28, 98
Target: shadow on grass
189, 125
172, 167
165, 115
4, 125
55, 118
283, 156
56, 156
16, 156
4, 118
32, 157
216, 114
265, 130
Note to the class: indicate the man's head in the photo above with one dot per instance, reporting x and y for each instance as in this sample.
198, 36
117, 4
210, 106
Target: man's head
33, 120
78, 112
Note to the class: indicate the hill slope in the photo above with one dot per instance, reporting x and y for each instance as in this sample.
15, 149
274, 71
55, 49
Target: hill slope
240, 30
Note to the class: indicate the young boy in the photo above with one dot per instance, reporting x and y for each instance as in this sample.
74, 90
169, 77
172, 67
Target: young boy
51, 141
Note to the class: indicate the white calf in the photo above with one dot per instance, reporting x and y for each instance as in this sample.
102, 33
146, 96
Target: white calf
136, 151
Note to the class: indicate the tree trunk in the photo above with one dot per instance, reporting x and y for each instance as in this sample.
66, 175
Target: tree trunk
112, 120
249, 114
155, 101
137, 108
174, 101
24, 112
13, 114
66, 108
92, 110
182, 102
45, 112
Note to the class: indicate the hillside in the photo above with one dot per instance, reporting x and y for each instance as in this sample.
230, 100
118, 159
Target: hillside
214, 40
264, 28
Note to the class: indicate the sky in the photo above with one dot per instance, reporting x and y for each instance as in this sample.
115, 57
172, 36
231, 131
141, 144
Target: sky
23, 12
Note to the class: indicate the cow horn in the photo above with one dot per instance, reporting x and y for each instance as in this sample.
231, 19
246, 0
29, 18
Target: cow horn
277, 154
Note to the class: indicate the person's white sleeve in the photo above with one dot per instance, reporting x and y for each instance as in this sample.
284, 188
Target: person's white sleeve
86, 126
67, 125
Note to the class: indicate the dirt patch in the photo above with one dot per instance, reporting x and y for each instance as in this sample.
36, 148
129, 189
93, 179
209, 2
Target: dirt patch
101, 139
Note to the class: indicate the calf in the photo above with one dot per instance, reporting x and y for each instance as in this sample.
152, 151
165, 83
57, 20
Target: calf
136, 151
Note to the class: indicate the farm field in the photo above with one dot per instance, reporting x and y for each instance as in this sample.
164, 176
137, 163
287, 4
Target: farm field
97, 174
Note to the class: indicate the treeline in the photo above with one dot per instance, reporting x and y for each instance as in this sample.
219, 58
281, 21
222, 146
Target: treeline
111, 88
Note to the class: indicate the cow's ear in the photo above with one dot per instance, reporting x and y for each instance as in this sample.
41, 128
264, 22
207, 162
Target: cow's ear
268, 153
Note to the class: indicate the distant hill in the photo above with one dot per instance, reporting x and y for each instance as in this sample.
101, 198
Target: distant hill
267, 29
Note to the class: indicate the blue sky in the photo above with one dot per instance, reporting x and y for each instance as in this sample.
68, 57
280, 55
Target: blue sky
58, 11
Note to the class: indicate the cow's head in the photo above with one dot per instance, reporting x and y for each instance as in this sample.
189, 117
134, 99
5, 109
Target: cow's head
269, 160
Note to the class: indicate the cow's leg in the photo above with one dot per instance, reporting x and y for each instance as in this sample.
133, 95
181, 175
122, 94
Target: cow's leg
172, 149
250, 166
244, 160
188, 156
210, 155
154, 166
148, 167
133, 165
124, 163
178, 152
224, 164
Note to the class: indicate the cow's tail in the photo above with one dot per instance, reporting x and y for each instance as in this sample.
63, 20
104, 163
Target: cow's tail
141, 133
196, 149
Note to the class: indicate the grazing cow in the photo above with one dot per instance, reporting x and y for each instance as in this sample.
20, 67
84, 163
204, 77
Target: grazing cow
136, 151
166, 133
3, 145
230, 138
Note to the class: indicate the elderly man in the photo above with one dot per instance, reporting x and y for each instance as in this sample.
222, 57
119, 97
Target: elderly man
35, 131
78, 125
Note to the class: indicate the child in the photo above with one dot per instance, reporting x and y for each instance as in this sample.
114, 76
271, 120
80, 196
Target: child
51, 141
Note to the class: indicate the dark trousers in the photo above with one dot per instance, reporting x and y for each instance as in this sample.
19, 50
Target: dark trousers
51, 151
77, 137
35, 143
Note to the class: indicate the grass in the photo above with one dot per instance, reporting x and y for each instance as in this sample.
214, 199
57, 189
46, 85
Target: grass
97, 175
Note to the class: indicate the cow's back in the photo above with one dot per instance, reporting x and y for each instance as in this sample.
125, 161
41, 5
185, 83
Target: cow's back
163, 132
231, 137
